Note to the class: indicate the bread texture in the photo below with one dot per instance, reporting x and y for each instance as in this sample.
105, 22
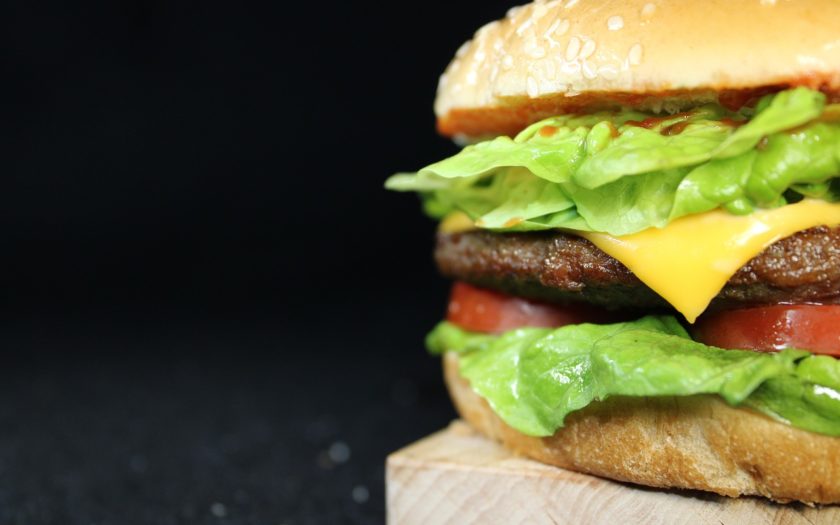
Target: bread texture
551, 57
696, 442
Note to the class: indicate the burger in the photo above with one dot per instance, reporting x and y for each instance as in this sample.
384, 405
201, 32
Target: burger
642, 230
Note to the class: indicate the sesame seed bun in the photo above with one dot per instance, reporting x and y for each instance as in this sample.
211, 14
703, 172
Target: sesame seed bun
551, 57
696, 442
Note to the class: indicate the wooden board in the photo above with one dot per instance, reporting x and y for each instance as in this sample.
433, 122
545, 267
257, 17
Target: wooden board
459, 477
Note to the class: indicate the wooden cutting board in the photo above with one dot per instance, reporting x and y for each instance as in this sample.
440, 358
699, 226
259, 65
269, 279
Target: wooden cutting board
459, 477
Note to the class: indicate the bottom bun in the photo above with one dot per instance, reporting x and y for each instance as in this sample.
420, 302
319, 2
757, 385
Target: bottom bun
696, 442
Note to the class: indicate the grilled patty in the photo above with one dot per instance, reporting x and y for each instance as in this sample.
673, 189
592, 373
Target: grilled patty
558, 267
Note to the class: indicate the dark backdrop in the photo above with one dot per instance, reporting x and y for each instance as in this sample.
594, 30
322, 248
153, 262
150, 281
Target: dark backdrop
211, 310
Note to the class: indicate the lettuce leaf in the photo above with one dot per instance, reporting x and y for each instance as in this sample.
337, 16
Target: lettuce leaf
620, 173
534, 377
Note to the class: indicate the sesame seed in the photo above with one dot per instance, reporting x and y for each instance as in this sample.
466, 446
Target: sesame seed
463, 49
635, 55
486, 28
562, 28
545, 69
539, 11
550, 69
494, 72
551, 29
648, 10
507, 62
524, 27
570, 68
588, 70
608, 72
614, 23
588, 49
533, 92
573, 48
444, 79
533, 49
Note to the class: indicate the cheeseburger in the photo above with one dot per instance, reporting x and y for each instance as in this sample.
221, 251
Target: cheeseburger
642, 230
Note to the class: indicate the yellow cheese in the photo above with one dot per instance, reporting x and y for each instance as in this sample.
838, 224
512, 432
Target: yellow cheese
689, 261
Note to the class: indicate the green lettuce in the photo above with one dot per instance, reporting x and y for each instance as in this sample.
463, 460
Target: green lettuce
620, 173
534, 377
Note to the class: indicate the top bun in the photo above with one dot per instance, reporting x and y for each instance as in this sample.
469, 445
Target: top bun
557, 56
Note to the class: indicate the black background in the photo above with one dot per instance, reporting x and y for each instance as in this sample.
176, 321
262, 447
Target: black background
207, 297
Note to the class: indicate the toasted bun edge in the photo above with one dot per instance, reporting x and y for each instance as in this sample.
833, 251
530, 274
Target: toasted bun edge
696, 442
552, 57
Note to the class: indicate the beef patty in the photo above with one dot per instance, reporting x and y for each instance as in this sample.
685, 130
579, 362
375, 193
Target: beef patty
558, 267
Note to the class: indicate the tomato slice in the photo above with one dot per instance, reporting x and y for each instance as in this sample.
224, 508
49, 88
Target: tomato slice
807, 326
481, 310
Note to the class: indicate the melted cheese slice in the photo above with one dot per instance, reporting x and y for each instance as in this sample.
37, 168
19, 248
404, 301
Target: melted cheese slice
689, 261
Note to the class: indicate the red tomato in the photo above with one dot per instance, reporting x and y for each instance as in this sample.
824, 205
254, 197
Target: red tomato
481, 310
807, 326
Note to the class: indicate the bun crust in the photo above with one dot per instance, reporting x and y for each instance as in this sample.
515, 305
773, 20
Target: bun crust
694, 442
550, 57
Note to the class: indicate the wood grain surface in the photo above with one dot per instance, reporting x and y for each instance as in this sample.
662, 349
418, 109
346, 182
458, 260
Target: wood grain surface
457, 476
